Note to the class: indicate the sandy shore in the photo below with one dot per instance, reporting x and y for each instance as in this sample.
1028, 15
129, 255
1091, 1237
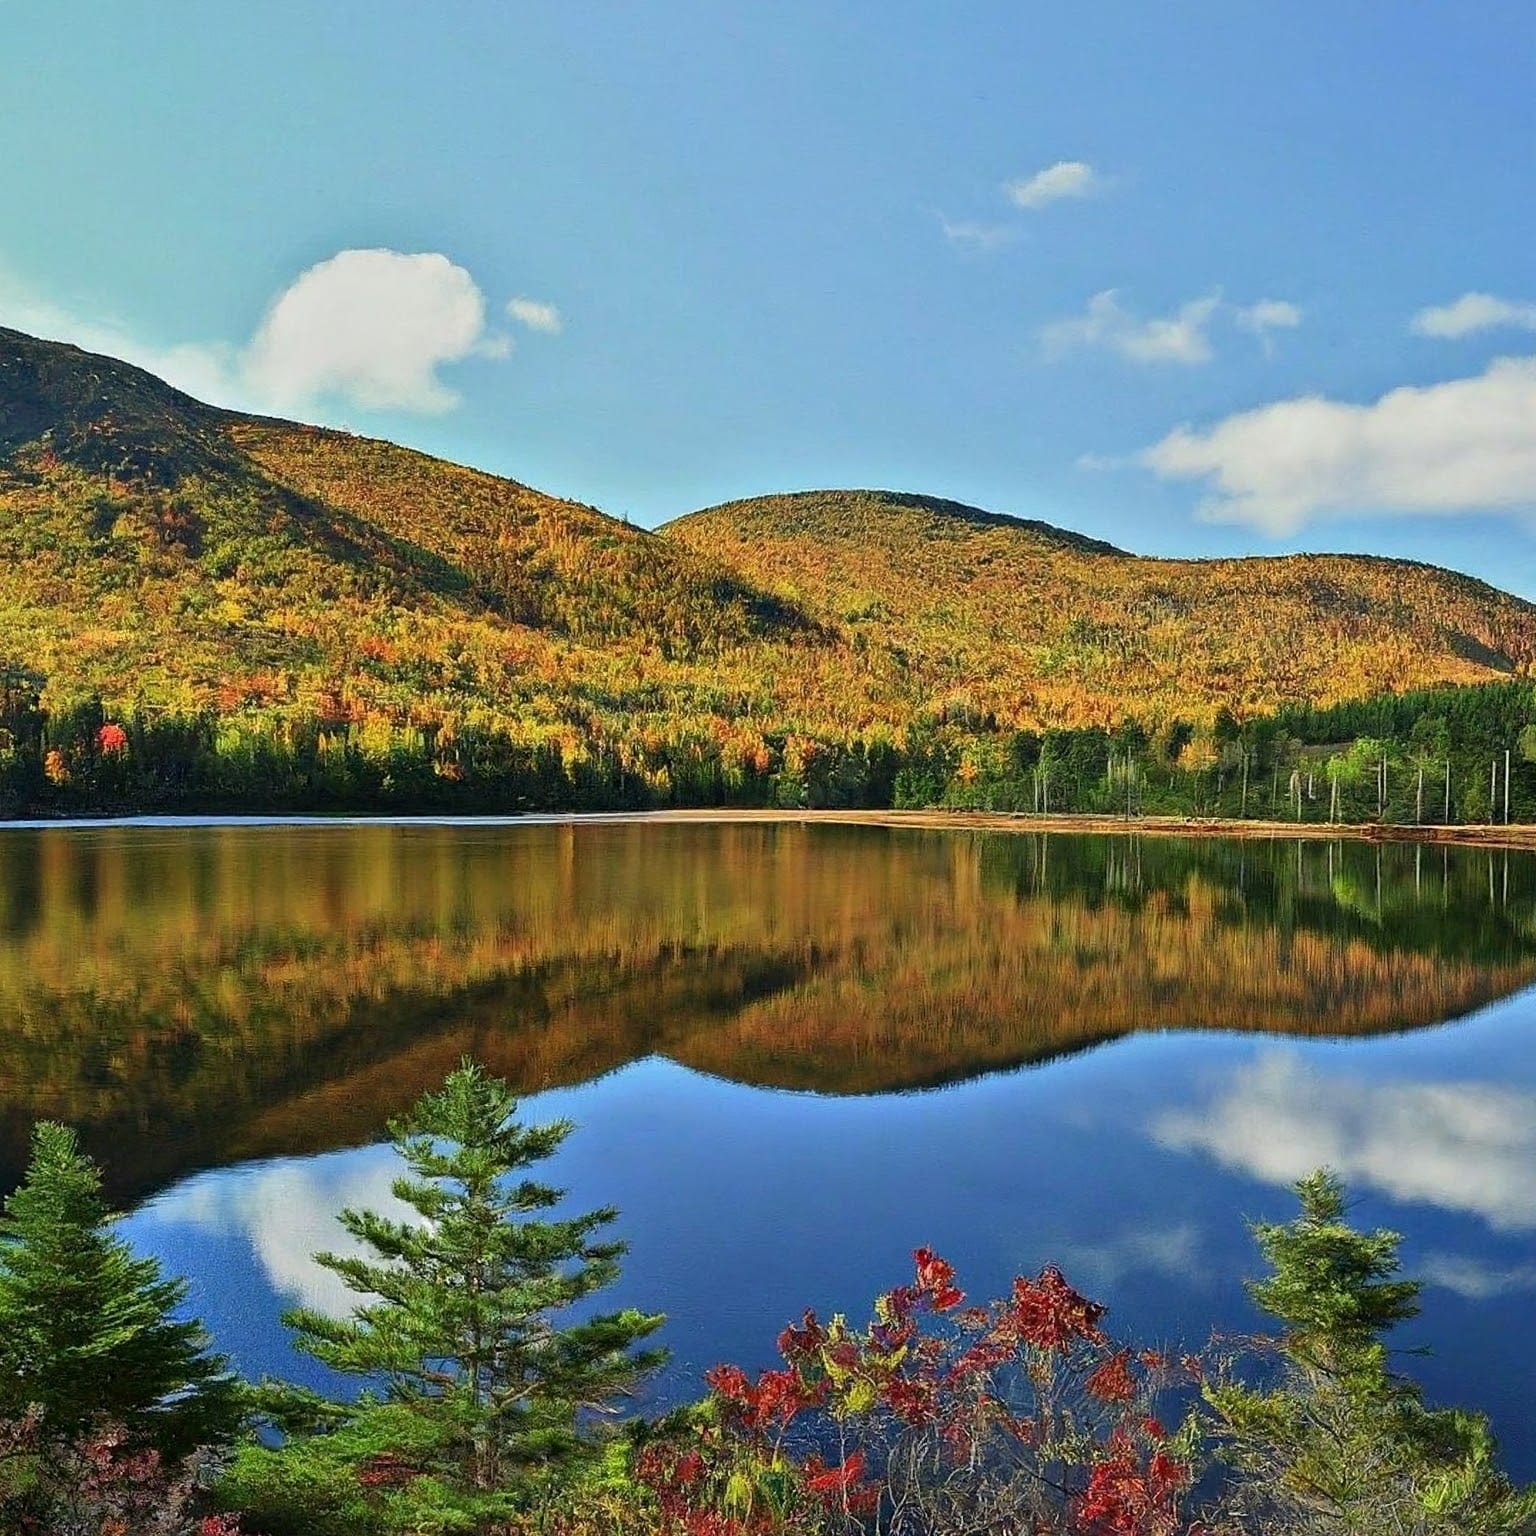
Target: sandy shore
1521, 836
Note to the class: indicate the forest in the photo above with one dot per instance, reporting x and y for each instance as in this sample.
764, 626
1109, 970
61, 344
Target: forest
204, 611
1445, 756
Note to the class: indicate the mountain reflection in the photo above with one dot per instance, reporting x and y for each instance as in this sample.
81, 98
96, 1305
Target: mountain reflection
191, 996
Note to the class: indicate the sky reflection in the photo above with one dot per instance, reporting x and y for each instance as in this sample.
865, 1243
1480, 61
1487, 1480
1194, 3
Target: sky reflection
1135, 1166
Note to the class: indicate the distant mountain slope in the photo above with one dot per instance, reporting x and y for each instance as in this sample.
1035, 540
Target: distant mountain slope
530, 557
990, 614
176, 559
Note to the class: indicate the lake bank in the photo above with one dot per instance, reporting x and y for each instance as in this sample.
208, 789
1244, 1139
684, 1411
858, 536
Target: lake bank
1481, 835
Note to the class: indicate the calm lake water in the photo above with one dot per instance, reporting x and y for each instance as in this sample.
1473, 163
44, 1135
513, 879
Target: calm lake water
795, 1053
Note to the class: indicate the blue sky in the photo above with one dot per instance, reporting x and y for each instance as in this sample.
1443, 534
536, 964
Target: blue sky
1199, 278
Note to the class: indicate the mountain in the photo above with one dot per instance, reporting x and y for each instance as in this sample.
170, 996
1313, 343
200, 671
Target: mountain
171, 556
261, 593
992, 615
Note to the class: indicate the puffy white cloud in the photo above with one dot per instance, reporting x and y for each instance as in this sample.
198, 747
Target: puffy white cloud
371, 327
536, 316
1466, 445
1473, 312
1465, 1146
1180, 338
364, 328
1056, 183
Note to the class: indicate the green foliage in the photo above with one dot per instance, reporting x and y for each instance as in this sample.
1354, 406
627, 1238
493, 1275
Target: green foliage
487, 1397
1332, 1286
1338, 1443
88, 1331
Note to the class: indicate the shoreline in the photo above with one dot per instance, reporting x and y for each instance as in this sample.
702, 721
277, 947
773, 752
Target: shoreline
1482, 835
1520, 835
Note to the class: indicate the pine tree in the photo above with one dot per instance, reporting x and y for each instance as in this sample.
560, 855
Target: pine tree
1338, 1443
483, 1387
88, 1331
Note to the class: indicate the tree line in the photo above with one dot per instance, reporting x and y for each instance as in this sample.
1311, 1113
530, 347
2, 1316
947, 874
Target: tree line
1438, 756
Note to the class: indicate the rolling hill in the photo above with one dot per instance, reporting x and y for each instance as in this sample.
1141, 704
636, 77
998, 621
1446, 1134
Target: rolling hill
347, 621
991, 614
175, 557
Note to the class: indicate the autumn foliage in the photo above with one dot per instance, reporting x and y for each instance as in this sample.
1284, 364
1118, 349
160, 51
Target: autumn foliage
204, 610
934, 1417
97, 1484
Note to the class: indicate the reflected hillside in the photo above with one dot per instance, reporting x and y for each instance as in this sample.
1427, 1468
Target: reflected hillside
190, 996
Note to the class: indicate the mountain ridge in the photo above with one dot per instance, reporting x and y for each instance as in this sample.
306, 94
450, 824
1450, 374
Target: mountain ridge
176, 558
1032, 621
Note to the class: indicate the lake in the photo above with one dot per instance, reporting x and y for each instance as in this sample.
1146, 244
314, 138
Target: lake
795, 1052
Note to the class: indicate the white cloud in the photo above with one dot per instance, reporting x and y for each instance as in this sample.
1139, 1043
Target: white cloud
1466, 445
1266, 316
1468, 1146
1056, 183
1181, 338
370, 327
536, 316
976, 237
366, 328
1473, 312
286, 1210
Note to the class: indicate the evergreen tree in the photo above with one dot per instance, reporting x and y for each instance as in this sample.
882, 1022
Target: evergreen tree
88, 1332
484, 1394
1337, 1442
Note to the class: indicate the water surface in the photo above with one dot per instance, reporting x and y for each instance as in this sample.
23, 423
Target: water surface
797, 1052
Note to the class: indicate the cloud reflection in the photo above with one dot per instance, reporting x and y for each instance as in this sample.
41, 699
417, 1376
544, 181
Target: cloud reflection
1175, 1252
1466, 1146
1472, 1278
286, 1211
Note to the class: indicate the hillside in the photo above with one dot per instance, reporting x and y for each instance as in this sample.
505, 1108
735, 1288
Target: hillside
171, 557
988, 614
277, 615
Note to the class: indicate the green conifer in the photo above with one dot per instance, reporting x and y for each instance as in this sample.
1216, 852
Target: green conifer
484, 1391
1337, 1443
88, 1331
